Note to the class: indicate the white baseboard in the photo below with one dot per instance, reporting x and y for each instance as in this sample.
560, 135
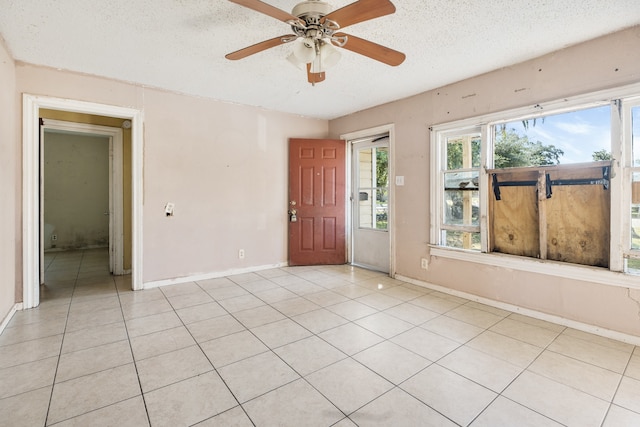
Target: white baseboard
212, 275
585, 327
9, 316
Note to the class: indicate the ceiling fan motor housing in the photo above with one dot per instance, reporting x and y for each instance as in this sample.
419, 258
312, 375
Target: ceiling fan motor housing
311, 11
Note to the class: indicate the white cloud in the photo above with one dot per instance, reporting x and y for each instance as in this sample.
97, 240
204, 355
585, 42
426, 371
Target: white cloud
576, 128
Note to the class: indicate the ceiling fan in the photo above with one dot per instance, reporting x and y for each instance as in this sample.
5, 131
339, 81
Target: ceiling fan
317, 27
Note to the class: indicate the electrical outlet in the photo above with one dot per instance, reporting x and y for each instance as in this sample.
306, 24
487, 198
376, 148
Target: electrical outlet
424, 263
241, 253
54, 237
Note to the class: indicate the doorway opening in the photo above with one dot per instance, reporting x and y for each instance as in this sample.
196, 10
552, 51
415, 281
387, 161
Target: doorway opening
33, 197
371, 196
81, 203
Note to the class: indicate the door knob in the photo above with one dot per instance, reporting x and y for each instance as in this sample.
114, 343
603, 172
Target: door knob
293, 217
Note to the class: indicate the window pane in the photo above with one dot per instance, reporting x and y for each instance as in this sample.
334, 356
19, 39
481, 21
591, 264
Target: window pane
371, 210
461, 198
365, 167
574, 137
365, 208
382, 167
462, 207
373, 191
635, 122
463, 152
461, 239
382, 208
461, 180
635, 211
632, 266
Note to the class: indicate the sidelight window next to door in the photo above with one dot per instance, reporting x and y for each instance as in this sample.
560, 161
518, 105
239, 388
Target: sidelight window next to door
373, 187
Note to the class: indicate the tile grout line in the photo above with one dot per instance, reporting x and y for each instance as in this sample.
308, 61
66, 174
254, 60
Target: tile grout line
313, 334
207, 357
135, 363
622, 376
351, 357
523, 370
64, 333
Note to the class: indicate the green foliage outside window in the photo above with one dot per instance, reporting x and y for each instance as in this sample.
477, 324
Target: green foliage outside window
454, 153
514, 150
601, 155
382, 167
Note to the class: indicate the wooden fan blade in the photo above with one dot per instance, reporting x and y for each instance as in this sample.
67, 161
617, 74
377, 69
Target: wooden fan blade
314, 78
360, 11
372, 50
259, 47
267, 9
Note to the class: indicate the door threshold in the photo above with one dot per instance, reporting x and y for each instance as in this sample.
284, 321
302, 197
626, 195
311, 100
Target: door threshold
369, 267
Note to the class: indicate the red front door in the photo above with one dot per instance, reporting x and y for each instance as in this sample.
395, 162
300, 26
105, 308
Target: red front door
317, 195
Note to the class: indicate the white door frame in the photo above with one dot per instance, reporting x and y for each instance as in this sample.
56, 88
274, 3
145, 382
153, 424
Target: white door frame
31, 105
350, 137
116, 234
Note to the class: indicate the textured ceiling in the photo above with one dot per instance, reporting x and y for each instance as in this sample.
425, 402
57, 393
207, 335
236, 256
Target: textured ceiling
180, 45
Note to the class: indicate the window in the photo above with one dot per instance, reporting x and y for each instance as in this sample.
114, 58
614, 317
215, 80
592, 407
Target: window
460, 226
578, 135
632, 252
373, 186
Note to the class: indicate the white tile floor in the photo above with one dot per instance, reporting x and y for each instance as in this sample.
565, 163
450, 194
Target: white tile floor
302, 346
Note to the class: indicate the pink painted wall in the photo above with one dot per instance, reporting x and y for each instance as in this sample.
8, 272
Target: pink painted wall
606, 62
223, 165
225, 168
9, 168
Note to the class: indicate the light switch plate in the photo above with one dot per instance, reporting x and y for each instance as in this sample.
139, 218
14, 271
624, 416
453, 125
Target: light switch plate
399, 180
168, 209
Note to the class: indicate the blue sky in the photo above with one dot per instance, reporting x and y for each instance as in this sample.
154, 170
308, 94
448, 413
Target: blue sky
577, 133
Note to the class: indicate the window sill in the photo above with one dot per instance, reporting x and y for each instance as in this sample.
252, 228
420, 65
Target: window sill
550, 268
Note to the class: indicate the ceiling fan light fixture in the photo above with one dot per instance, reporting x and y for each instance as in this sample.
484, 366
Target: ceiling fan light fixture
329, 56
322, 62
296, 62
305, 51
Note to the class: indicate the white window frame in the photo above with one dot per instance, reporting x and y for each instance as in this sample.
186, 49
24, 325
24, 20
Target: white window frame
437, 178
620, 187
628, 169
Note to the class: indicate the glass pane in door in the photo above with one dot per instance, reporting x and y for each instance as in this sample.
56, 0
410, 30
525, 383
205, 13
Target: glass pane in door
373, 187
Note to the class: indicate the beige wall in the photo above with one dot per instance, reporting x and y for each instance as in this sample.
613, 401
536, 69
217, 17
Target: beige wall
225, 168
10, 159
223, 165
76, 190
602, 63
